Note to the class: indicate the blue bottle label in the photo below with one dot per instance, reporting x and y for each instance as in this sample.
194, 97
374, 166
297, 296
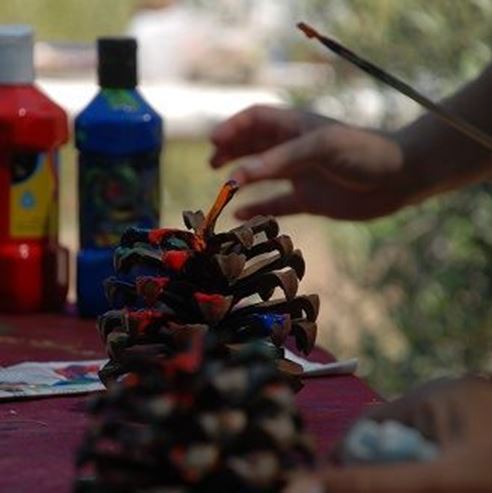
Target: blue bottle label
116, 192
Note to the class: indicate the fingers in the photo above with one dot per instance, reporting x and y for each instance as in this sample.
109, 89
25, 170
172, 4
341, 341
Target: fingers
405, 408
435, 409
253, 130
434, 419
399, 410
347, 156
277, 206
257, 118
284, 160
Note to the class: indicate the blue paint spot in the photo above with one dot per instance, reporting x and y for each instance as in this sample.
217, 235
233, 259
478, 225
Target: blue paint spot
269, 320
27, 200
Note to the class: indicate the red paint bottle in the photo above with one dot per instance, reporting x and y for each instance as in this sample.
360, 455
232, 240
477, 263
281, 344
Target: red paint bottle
33, 266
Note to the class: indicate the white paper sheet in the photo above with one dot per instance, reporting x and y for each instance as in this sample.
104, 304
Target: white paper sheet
314, 369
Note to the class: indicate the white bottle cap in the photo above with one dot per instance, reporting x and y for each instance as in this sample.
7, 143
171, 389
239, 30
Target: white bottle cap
16, 54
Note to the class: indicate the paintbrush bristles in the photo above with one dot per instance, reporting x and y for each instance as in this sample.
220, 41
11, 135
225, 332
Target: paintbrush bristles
226, 193
309, 31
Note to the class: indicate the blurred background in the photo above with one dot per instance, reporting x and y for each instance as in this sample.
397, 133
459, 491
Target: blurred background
409, 295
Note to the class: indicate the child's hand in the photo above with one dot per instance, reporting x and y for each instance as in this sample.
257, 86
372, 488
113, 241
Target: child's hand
335, 170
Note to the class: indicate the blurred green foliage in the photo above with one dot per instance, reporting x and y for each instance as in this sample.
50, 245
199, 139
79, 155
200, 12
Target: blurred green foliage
69, 20
448, 40
434, 262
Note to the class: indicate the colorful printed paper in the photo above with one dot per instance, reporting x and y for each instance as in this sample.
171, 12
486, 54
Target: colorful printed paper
35, 379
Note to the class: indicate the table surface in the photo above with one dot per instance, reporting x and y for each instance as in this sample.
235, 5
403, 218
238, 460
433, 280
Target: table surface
38, 437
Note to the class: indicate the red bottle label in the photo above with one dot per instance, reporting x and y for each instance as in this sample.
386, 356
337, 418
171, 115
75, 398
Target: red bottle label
33, 195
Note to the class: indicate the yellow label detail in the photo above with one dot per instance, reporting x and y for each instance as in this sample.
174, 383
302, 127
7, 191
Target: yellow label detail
33, 194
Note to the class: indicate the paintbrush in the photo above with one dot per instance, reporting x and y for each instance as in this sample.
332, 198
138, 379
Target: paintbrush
448, 117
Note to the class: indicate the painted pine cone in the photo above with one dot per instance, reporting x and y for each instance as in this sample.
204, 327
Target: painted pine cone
168, 280
201, 421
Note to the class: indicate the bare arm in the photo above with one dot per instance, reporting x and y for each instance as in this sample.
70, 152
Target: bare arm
439, 157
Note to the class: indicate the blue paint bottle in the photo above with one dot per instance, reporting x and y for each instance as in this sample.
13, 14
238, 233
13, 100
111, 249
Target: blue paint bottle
119, 139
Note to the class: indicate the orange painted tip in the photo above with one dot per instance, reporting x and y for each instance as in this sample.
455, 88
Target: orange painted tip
309, 31
226, 193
